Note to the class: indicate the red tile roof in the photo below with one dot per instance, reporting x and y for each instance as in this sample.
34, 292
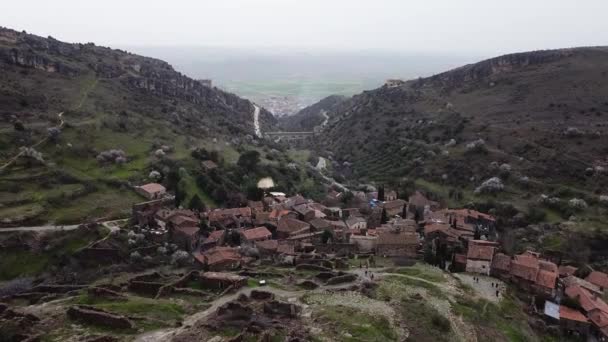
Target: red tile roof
268, 245
571, 314
525, 267
394, 204
480, 251
460, 258
215, 236
565, 271
221, 254
152, 188
220, 214
501, 262
276, 214
189, 231
546, 279
599, 318
598, 278
289, 225
588, 301
259, 233
401, 238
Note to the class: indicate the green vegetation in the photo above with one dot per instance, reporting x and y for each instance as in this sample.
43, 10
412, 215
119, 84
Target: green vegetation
61, 245
158, 312
489, 319
349, 324
422, 271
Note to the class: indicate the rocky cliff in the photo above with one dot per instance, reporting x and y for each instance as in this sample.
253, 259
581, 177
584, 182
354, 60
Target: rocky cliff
149, 75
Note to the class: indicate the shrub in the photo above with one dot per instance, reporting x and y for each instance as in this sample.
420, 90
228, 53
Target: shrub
441, 323
491, 185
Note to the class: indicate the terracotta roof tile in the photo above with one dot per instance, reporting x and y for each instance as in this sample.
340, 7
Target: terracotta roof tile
546, 279
289, 225
525, 267
571, 314
479, 251
152, 188
220, 254
501, 262
588, 301
258, 233
598, 278
565, 271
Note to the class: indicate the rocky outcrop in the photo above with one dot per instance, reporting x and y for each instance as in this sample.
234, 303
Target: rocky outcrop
281, 309
261, 295
494, 66
94, 316
234, 311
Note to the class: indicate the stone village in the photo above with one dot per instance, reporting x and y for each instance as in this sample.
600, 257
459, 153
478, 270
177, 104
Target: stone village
297, 232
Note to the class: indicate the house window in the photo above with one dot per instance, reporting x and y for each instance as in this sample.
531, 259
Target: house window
483, 266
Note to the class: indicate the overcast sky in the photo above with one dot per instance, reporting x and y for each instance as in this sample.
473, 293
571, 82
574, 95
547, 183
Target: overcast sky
480, 27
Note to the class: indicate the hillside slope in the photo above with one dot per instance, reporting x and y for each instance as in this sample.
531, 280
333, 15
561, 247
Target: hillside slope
71, 102
310, 117
536, 120
544, 110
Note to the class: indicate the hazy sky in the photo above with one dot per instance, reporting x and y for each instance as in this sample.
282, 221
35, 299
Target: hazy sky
484, 27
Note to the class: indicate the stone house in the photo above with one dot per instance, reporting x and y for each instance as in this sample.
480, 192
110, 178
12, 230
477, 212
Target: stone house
568, 319
319, 225
288, 226
351, 212
479, 256
220, 281
255, 234
267, 248
364, 244
256, 207
305, 212
397, 244
459, 262
501, 266
233, 217
151, 191
394, 208
219, 259
208, 165
533, 274
356, 223
566, 271
390, 196
215, 239
333, 213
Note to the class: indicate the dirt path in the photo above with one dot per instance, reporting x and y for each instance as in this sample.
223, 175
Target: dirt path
485, 287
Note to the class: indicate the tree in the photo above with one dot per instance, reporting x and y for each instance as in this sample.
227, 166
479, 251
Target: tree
179, 196
18, 126
196, 203
416, 215
384, 217
326, 236
404, 211
381, 193
249, 160
254, 193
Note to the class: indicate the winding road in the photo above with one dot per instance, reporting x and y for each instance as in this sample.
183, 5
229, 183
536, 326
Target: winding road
256, 121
